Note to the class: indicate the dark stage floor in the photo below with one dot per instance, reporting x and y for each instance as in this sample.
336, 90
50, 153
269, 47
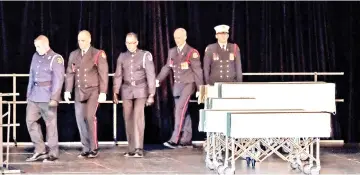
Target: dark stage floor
334, 160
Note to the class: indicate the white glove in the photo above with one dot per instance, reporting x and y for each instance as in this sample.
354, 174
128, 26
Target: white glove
157, 84
102, 97
197, 94
67, 97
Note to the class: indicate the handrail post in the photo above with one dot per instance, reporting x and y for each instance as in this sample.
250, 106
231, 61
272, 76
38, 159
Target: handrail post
115, 123
315, 76
1, 132
8, 135
14, 109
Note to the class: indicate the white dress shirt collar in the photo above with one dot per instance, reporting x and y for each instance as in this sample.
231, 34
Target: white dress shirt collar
84, 51
180, 48
222, 45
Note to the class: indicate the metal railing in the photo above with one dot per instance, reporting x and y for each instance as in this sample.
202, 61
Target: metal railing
14, 102
8, 125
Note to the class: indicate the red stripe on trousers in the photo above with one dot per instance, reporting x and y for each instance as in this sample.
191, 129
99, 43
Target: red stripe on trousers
95, 128
182, 118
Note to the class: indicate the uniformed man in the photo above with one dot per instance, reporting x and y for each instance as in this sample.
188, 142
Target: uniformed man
46, 79
185, 63
88, 67
222, 60
135, 75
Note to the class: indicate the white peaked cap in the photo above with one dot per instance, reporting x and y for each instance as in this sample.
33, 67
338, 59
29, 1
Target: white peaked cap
222, 28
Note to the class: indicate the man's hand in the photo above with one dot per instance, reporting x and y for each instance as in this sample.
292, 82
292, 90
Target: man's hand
157, 83
67, 97
53, 103
115, 98
102, 97
197, 94
150, 100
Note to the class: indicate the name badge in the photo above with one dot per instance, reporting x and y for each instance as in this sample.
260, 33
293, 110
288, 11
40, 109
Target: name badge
215, 56
231, 56
184, 65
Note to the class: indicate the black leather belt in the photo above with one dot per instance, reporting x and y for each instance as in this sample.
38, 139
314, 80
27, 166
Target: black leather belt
135, 82
45, 83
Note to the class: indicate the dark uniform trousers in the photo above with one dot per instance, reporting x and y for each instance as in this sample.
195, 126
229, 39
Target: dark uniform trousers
85, 112
183, 128
135, 77
89, 74
188, 75
45, 83
133, 110
34, 111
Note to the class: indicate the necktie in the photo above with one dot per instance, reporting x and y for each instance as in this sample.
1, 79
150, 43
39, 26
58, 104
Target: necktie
83, 52
223, 47
178, 50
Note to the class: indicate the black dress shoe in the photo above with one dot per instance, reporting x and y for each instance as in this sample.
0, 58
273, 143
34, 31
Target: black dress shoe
129, 154
185, 145
93, 154
170, 144
36, 157
139, 152
83, 155
50, 159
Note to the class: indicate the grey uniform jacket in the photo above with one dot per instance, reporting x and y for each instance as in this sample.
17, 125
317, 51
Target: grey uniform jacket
134, 75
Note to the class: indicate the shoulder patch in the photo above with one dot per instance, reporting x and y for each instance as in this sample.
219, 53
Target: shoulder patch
103, 55
195, 55
59, 60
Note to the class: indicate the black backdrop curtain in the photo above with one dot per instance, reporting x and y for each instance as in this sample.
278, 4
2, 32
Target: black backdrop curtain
273, 37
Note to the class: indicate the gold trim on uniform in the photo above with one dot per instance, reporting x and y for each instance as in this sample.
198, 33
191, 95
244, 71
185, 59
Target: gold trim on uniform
195, 55
103, 54
215, 56
59, 60
184, 65
231, 56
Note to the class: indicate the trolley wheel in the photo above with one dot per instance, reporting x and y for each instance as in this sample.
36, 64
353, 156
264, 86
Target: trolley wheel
294, 165
307, 168
314, 170
248, 159
209, 164
229, 171
221, 169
